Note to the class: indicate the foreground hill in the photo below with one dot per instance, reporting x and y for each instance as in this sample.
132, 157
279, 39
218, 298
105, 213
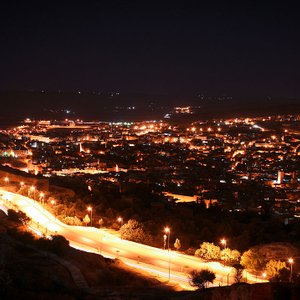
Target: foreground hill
32, 268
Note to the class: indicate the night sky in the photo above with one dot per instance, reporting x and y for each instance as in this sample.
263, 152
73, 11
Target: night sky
181, 48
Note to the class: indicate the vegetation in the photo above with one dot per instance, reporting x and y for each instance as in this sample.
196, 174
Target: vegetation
27, 273
200, 279
86, 220
177, 244
229, 256
17, 216
134, 231
275, 269
252, 260
208, 251
238, 273
73, 221
190, 223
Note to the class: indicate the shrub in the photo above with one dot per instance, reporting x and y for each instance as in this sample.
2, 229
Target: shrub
200, 279
208, 251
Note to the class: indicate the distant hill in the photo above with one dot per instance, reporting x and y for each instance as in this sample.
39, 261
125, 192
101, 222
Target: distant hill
17, 105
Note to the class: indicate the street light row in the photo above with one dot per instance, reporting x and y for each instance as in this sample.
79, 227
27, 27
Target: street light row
167, 230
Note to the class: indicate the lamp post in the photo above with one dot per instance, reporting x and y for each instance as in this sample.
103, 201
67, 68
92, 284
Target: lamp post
167, 233
53, 203
120, 220
224, 243
21, 183
90, 209
291, 261
32, 188
6, 180
42, 197
165, 241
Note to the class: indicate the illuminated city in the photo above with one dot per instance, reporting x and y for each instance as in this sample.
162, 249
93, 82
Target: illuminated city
149, 151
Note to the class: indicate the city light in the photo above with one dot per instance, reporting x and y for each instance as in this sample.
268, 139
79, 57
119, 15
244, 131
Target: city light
90, 210
224, 242
291, 262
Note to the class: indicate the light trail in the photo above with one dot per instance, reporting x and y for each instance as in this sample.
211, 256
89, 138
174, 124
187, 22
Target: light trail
142, 257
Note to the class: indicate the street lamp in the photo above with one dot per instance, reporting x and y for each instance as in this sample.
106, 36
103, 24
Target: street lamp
120, 220
291, 261
90, 209
21, 183
167, 234
224, 242
165, 241
32, 188
167, 231
264, 275
42, 197
52, 203
6, 179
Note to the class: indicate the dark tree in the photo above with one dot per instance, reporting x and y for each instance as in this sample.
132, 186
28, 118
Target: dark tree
200, 279
238, 273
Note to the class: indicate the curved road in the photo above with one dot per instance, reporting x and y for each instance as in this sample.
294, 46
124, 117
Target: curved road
166, 265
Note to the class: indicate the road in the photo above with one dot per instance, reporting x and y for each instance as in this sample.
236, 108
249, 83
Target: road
169, 266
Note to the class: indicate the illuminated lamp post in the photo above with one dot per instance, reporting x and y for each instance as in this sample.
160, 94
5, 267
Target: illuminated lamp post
90, 209
224, 243
120, 220
32, 189
165, 241
167, 233
53, 202
291, 262
42, 197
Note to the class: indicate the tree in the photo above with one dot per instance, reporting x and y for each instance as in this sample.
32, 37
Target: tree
72, 221
17, 216
230, 256
59, 244
252, 260
200, 279
86, 220
100, 222
134, 231
208, 251
177, 244
273, 269
238, 273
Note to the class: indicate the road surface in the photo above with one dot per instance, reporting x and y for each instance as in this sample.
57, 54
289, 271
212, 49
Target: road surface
169, 266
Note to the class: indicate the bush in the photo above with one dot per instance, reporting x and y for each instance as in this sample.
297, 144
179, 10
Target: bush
252, 260
59, 245
134, 231
230, 256
238, 273
200, 279
274, 270
208, 251
18, 217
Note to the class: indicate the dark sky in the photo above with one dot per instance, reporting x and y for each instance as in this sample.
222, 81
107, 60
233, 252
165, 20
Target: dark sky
178, 47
